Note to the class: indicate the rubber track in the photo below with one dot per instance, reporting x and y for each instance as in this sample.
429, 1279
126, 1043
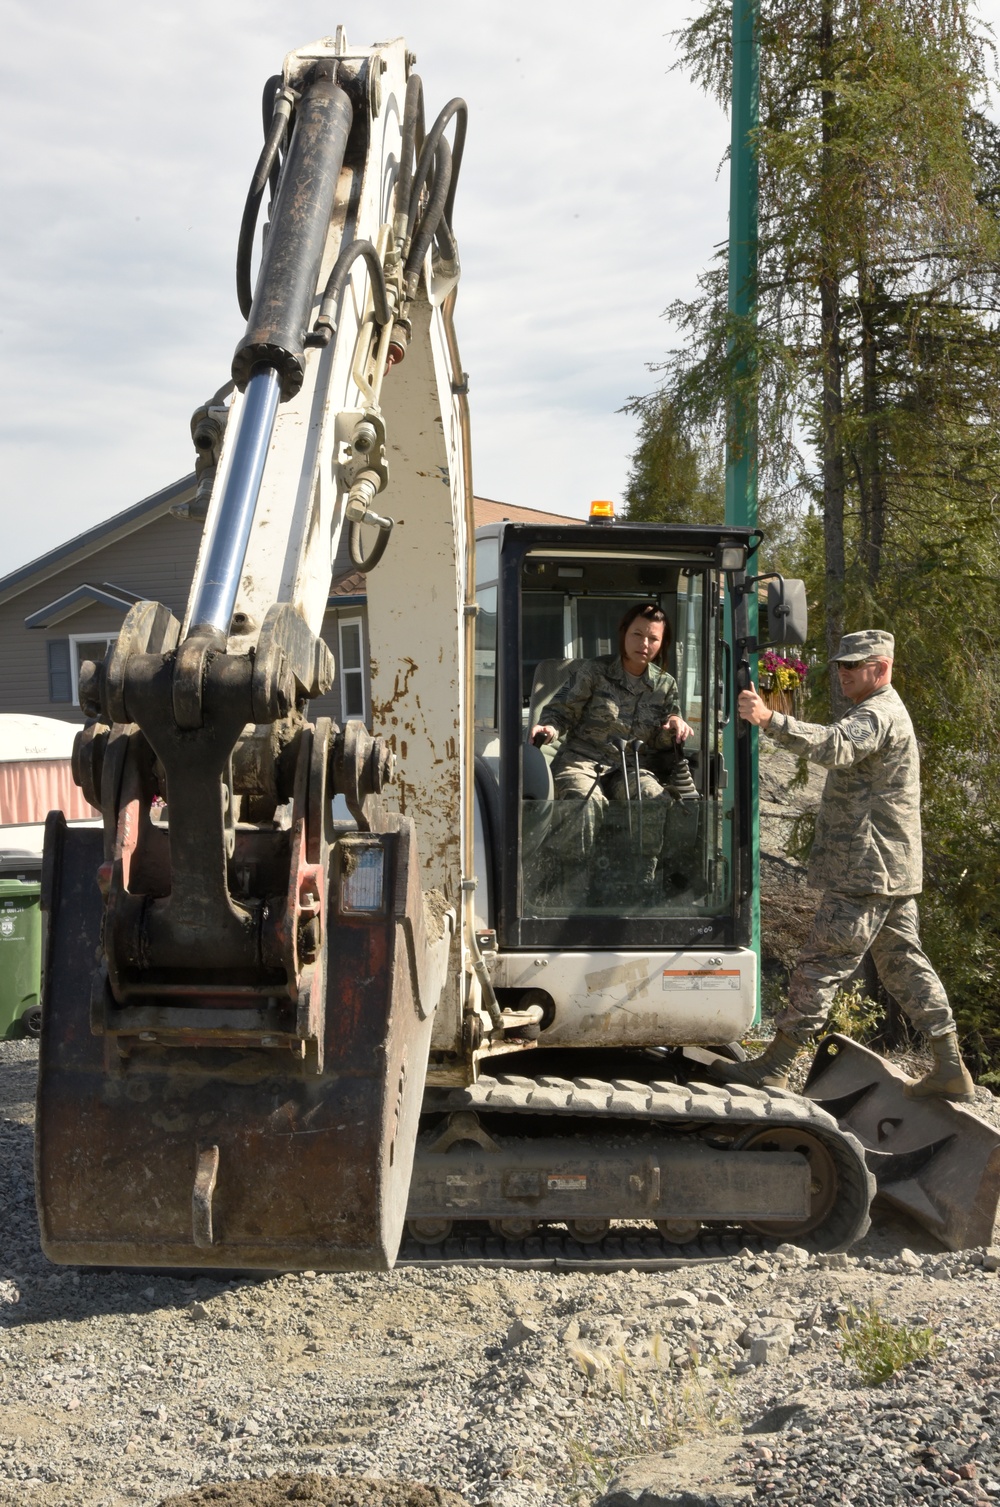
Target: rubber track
690, 1106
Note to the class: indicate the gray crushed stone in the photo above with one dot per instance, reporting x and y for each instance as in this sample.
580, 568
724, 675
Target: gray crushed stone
506, 1388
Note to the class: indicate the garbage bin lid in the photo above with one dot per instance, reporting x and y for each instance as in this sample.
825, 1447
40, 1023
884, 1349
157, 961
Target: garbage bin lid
18, 888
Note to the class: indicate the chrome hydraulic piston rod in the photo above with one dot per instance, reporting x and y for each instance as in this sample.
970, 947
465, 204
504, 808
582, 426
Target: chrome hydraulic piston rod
215, 599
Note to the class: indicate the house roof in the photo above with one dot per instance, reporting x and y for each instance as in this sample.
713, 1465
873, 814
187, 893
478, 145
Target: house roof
488, 511
105, 595
347, 589
102, 534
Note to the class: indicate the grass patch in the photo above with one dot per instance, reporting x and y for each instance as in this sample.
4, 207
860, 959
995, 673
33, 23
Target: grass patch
650, 1404
879, 1347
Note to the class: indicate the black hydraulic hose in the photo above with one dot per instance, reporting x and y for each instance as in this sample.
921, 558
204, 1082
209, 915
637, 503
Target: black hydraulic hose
460, 109
413, 140
443, 238
327, 315
454, 107
362, 562
431, 218
269, 99
267, 164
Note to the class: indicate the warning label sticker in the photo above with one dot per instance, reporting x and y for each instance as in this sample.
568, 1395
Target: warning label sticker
566, 1182
701, 978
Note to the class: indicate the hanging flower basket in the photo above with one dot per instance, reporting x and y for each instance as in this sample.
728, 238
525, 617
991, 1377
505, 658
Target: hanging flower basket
782, 682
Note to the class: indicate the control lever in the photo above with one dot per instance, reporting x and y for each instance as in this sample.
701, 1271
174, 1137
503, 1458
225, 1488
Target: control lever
635, 746
622, 746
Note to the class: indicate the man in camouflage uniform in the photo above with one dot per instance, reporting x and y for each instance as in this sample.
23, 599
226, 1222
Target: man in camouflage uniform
620, 696
867, 860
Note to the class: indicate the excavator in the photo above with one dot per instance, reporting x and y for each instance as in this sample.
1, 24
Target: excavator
279, 1037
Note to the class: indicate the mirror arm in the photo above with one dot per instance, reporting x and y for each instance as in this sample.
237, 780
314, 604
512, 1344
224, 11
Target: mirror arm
749, 582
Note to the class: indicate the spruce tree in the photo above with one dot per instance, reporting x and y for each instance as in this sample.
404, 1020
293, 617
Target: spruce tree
876, 359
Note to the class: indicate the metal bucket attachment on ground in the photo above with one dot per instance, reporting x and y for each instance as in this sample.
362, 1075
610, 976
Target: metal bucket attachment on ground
204, 1154
937, 1162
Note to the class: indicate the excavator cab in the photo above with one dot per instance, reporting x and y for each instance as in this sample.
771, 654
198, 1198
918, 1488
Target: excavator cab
619, 868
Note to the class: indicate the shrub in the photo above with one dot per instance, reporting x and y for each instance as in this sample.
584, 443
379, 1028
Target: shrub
879, 1347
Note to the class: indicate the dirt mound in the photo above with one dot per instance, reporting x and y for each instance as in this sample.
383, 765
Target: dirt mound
316, 1491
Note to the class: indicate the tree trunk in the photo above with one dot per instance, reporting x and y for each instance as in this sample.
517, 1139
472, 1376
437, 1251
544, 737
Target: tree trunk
832, 401
833, 459
872, 487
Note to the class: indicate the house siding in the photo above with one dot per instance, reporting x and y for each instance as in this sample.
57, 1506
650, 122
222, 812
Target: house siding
155, 561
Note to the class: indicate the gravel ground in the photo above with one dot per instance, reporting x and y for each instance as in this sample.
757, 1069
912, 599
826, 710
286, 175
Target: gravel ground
715, 1383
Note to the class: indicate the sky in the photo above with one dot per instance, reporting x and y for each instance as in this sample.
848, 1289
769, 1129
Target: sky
590, 198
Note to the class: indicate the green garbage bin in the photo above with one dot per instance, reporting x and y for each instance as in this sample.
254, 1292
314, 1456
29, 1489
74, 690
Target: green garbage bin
20, 957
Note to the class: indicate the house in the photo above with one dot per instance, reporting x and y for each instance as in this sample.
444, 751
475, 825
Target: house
65, 607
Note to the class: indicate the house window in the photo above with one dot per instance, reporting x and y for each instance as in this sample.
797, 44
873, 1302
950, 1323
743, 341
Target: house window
66, 655
352, 668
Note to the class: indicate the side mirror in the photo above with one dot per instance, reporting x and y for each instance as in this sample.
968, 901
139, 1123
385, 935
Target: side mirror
787, 613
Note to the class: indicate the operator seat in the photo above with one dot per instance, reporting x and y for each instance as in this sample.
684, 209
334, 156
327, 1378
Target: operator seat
536, 763
550, 676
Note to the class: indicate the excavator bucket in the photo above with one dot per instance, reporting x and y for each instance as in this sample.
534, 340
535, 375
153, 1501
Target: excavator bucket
936, 1162
223, 1152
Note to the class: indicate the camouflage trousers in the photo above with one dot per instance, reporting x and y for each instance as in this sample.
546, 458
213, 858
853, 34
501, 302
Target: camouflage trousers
845, 928
586, 788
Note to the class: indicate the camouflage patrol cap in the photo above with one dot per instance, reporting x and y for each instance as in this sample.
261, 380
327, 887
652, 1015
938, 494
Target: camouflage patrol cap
870, 643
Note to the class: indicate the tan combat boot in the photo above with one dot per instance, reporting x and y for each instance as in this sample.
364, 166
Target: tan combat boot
769, 1070
949, 1078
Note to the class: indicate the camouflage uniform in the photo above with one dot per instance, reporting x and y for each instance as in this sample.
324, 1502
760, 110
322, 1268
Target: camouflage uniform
867, 858
599, 702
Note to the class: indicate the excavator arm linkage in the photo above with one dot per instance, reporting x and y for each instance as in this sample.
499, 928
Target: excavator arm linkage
238, 998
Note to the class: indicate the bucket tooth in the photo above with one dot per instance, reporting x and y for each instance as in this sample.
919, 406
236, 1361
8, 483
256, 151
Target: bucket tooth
201, 1196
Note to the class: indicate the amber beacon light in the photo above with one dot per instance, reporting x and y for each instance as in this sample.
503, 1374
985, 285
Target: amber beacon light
602, 512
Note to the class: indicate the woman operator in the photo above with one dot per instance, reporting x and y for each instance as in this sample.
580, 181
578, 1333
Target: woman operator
623, 696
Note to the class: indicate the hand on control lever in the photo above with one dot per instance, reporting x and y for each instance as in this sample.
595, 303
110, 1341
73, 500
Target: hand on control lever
541, 734
680, 729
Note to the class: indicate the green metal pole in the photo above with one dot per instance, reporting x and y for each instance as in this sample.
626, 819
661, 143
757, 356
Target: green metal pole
741, 447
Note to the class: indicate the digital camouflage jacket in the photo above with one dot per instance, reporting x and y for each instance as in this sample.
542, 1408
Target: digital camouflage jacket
868, 826
598, 703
